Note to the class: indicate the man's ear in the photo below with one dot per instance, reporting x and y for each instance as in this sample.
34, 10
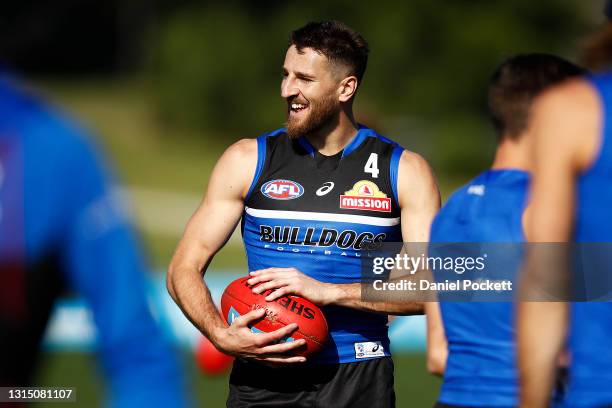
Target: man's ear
348, 87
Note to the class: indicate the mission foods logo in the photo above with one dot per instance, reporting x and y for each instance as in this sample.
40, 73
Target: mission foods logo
365, 195
282, 189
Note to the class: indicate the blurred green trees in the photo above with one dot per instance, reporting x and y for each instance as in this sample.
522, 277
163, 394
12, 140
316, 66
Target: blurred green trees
217, 66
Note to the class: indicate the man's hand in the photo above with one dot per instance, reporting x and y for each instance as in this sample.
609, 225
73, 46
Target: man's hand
238, 340
290, 281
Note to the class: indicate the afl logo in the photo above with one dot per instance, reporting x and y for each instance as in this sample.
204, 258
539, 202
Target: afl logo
282, 189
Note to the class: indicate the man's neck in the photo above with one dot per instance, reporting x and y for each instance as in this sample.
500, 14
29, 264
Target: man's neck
333, 138
513, 154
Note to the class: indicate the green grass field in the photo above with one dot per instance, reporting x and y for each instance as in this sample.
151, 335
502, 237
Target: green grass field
413, 387
156, 158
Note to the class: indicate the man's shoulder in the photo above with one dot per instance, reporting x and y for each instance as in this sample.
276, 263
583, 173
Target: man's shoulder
460, 198
367, 133
417, 185
413, 163
248, 147
475, 186
242, 149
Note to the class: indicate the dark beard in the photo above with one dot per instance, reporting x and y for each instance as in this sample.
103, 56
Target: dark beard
321, 113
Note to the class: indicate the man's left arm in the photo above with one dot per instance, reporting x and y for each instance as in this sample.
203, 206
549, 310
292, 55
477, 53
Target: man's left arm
419, 200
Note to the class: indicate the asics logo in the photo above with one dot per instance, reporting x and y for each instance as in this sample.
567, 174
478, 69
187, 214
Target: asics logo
325, 188
476, 189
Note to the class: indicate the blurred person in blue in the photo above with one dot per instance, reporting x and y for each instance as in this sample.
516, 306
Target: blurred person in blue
572, 201
62, 227
475, 349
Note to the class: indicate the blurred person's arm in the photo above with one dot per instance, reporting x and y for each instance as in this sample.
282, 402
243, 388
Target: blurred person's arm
104, 264
563, 359
207, 231
437, 345
419, 200
566, 126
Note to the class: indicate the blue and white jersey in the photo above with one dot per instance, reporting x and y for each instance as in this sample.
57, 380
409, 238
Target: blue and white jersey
316, 213
481, 369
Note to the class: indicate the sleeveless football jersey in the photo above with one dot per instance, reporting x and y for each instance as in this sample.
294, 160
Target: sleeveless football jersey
591, 322
316, 213
481, 370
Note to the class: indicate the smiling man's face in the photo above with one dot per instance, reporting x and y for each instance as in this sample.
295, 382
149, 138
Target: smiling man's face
311, 87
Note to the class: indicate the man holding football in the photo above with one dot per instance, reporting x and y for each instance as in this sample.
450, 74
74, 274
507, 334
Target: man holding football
311, 196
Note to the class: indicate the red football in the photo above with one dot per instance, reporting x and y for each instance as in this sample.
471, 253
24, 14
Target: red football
210, 360
238, 299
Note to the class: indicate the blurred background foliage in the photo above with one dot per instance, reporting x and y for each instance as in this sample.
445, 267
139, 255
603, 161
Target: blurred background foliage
209, 72
217, 66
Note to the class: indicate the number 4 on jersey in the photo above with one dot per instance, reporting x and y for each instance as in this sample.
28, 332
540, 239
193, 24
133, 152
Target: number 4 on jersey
371, 165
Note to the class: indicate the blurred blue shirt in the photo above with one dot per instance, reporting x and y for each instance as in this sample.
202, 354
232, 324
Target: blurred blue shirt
61, 225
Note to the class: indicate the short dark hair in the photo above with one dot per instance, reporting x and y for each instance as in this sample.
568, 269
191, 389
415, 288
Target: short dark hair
336, 41
517, 82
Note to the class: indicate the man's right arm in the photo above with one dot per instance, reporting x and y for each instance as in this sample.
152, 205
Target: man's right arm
207, 231
566, 129
437, 345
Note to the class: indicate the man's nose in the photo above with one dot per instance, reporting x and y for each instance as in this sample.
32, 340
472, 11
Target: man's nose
289, 88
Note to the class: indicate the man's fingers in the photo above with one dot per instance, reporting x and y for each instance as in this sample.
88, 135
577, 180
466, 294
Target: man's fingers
273, 337
284, 360
264, 271
246, 319
282, 348
278, 293
254, 280
266, 276
272, 284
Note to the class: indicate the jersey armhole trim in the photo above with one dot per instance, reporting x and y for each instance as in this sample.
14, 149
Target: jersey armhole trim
261, 159
394, 170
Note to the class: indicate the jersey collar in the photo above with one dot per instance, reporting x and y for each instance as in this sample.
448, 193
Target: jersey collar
362, 133
306, 146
